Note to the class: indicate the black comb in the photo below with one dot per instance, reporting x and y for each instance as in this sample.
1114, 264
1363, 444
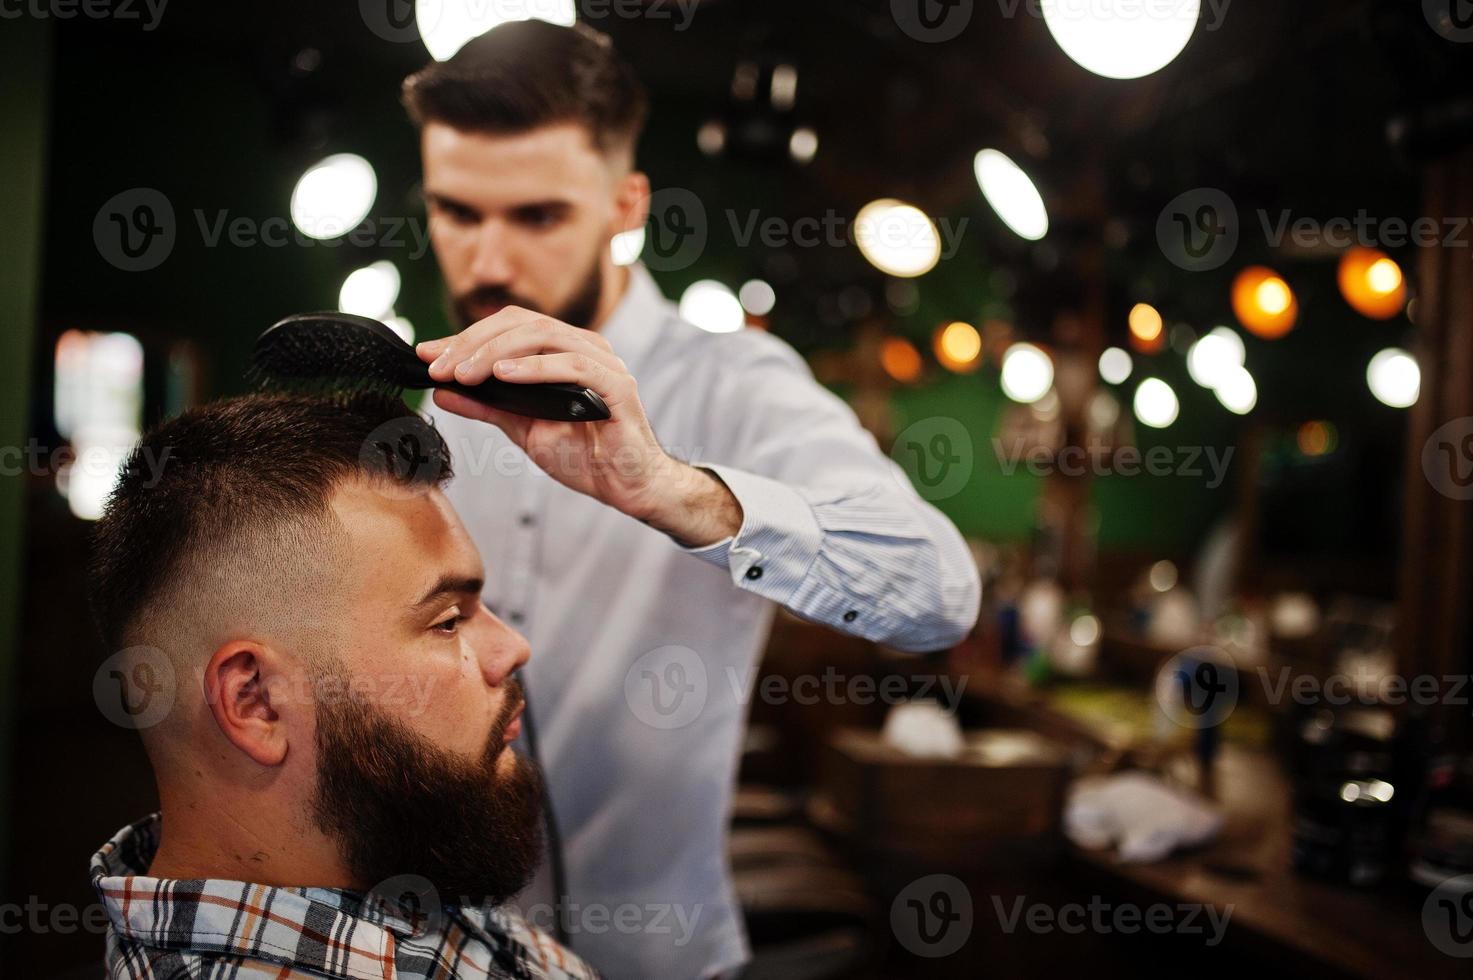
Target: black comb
341, 352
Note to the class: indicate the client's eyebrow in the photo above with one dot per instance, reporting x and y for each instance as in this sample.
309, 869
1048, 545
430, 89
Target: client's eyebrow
450, 585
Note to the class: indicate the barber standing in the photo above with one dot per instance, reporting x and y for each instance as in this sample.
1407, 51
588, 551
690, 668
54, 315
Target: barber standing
642, 556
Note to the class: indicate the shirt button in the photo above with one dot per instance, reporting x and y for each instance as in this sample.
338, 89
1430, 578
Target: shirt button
851, 616
515, 617
527, 520
754, 573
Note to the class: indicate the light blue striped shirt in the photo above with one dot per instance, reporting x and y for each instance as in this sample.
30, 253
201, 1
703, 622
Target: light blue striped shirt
644, 653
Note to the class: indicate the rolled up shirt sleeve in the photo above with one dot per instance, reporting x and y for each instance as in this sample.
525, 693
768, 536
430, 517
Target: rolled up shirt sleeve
831, 527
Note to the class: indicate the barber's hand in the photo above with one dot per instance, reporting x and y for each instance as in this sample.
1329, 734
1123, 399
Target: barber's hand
617, 461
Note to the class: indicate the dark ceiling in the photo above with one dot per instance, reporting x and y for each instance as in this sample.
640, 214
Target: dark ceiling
1281, 104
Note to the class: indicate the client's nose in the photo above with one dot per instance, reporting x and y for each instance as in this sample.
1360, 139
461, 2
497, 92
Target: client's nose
501, 649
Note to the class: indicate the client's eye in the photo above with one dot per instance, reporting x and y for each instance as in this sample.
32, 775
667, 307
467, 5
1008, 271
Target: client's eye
448, 624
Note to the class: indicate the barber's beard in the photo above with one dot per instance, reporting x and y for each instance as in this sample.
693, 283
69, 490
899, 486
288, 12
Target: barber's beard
397, 805
579, 311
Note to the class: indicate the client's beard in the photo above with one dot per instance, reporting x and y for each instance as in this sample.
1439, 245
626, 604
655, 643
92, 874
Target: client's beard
397, 805
578, 311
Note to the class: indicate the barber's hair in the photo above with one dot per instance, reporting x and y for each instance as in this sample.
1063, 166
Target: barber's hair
522, 75
253, 475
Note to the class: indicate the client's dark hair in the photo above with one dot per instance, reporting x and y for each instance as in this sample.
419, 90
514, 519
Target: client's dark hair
242, 475
524, 74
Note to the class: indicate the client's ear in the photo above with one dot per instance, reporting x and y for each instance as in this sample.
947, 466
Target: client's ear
238, 691
632, 201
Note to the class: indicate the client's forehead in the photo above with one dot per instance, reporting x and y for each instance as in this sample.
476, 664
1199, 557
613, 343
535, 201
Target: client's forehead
399, 540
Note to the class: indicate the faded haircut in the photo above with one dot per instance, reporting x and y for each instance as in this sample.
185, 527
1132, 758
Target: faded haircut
242, 488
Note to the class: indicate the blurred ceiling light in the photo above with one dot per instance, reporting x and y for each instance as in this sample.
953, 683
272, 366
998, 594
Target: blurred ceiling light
1155, 403
1163, 576
1237, 390
445, 25
371, 290
711, 306
401, 326
958, 347
334, 196
1369, 792
711, 137
1104, 411
1027, 373
900, 359
1147, 331
1215, 356
1084, 631
784, 87
99, 409
626, 246
1394, 377
1372, 283
1115, 365
1264, 303
1121, 38
758, 298
1381, 790
1316, 438
803, 144
899, 239
1011, 194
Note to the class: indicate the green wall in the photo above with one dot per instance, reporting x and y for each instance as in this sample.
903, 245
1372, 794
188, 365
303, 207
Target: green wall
25, 49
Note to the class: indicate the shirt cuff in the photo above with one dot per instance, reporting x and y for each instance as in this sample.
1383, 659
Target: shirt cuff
778, 541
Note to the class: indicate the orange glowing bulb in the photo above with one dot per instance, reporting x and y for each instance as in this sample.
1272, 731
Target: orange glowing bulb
1147, 329
958, 347
1372, 283
1264, 303
900, 359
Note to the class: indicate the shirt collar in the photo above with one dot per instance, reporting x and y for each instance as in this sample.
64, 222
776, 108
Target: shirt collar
639, 319
149, 910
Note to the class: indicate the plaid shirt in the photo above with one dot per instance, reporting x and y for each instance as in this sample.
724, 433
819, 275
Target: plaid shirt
164, 928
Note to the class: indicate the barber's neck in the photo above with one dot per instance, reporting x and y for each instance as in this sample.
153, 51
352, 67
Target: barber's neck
615, 286
251, 834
